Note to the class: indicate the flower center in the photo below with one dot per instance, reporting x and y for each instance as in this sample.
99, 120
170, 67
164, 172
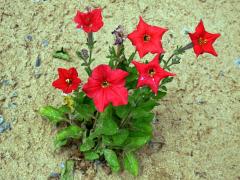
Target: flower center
68, 81
151, 72
105, 84
202, 41
146, 38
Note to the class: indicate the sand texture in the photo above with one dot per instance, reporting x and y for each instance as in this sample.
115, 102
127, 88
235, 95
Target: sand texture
199, 119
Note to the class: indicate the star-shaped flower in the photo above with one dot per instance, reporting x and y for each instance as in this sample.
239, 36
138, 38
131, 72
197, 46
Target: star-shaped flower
151, 74
90, 21
68, 80
203, 40
147, 38
106, 86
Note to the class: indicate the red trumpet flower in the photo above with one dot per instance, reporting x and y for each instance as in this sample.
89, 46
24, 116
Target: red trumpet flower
147, 38
106, 86
68, 80
203, 40
90, 21
151, 74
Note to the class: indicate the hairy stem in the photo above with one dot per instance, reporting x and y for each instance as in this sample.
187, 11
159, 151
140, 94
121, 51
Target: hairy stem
175, 53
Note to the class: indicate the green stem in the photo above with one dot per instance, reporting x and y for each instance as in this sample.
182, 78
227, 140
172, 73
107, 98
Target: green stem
90, 43
175, 53
124, 121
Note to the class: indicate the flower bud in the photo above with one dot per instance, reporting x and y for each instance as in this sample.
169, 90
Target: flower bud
119, 35
84, 54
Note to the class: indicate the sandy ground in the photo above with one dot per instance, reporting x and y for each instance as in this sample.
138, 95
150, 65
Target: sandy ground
199, 118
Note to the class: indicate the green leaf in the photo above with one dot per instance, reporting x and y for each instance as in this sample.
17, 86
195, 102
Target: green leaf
145, 127
147, 105
131, 163
106, 140
106, 124
131, 57
53, 114
123, 111
61, 55
64, 109
87, 145
85, 111
134, 143
120, 137
142, 116
68, 171
160, 95
78, 97
164, 88
62, 136
166, 80
90, 156
112, 160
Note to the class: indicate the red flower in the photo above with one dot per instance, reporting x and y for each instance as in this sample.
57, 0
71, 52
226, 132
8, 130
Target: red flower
151, 74
106, 86
147, 38
203, 40
68, 80
90, 21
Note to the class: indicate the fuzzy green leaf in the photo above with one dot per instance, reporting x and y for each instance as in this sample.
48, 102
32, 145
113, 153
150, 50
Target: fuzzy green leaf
106, 140
51, 113
62, 136
142, 116
68, 171
145, 127
123, 111
106, 124
160, 95
147, 105
61, 55
85, 111
64, 109
120, 137
166, 80
112, 160
131, 163
90, 156
134, 143
87, 145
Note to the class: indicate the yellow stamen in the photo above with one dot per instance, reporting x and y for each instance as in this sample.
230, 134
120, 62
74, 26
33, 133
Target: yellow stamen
151, 72
146, 37
69, 81
202, 41
105, 84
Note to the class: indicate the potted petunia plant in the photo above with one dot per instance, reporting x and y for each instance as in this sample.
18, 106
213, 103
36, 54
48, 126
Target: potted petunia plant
110, 116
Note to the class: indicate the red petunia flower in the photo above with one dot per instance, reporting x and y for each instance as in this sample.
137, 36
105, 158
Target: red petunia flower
106, 86
147, 38
90, 21
203, 40
68, 80
151, 74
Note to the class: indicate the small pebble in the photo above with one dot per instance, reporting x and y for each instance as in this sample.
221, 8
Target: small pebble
2, 97
1, 119
45, 43
54, 175
62, 165
5, 82
5, 126
37, 73
221, 73
237, 62
14, 94
12, 105
28, 37
200, 101
38, 61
